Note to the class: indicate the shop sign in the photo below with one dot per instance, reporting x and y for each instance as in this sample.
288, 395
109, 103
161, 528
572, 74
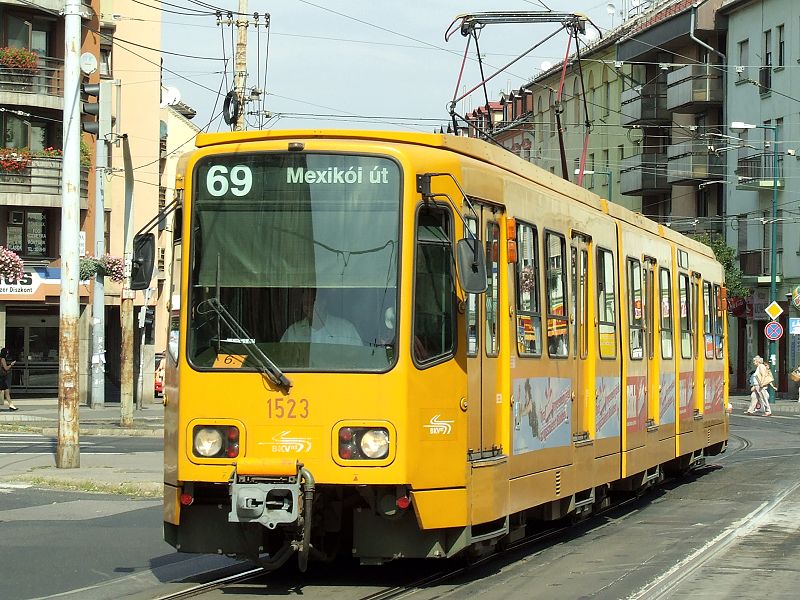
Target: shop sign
31, 280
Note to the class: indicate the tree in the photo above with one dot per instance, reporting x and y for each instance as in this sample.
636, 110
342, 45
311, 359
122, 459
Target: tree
726, 255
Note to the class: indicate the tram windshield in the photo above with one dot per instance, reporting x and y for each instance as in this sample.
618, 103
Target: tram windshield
301, 250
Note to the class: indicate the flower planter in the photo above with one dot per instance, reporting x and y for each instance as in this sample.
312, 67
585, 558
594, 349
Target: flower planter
46, 175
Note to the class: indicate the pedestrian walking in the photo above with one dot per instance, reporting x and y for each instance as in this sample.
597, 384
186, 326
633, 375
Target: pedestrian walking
760, 381
5, 371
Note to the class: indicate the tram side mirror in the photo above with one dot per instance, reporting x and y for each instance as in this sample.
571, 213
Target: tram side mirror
144, 254
471, 266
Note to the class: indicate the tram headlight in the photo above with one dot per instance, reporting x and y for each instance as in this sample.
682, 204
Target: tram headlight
207, 441
375, 443
363, 443
216, 441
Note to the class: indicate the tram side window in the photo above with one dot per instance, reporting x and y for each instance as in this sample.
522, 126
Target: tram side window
473, 333
529, 312
708, 319
492, 287
557, 323
718, 321
693, 314
606, 304
686, 311
635, 313
434, 288
666, 314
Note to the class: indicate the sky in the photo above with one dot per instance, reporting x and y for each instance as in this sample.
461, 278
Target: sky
355, 64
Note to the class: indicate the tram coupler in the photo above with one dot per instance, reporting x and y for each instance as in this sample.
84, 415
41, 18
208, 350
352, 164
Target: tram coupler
275, 493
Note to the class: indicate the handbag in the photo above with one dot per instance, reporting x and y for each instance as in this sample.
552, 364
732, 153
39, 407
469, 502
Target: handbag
795, 375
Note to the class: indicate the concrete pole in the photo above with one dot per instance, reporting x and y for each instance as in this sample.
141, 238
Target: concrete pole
773, 284
240, 63
68, 444
126, 304
99, 297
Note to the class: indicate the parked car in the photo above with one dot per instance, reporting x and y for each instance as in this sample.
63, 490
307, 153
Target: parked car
158, 376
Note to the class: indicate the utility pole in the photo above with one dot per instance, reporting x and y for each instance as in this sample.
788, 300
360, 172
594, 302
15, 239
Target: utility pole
240, 63
68, 443
126, 304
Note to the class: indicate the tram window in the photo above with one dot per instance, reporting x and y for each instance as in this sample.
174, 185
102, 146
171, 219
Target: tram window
574, 297
708, 319
649, 300
685, 316
666, 314
693, 314
529, 312
606, 304
557, 323
434, 288
635, 312
583, 303
718, 323
492, 287
473, 332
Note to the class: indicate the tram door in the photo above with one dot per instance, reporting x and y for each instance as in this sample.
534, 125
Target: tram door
483, 342
584, 379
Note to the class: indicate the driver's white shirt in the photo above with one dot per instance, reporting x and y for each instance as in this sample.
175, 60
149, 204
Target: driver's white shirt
334, 330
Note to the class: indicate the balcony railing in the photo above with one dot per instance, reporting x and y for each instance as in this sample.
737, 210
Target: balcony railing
691, 162
41, 178
47, 79
644, 173
644, 105
756, 171
757, 263
693, 88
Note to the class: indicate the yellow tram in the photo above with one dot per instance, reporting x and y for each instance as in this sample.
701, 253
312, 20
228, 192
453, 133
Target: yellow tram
410, 345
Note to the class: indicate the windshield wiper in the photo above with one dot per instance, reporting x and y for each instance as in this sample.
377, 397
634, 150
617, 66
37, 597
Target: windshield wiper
265, 365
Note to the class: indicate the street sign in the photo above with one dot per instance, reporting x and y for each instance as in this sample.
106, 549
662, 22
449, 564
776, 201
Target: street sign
794, 326
774, 311
773, 330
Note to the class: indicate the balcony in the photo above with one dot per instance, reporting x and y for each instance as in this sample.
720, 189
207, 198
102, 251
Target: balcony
645, 105
693, 88
39, 184
699, 227
754, 172
756, 263
644, 173
42, 88
691, 162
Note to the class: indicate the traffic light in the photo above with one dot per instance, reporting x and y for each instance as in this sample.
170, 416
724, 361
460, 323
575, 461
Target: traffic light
100, 126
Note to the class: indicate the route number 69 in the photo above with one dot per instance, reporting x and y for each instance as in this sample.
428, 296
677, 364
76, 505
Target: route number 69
239, 180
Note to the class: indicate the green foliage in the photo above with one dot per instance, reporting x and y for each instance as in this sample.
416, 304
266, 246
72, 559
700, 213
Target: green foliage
727, 257
86, 155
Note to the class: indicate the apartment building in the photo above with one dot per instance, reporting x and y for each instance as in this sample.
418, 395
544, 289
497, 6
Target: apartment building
763, 90
31, 114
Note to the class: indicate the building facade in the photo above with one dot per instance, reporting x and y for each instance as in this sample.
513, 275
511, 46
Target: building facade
31, 114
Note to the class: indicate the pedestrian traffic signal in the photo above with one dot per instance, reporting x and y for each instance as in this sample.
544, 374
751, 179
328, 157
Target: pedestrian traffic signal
100, 125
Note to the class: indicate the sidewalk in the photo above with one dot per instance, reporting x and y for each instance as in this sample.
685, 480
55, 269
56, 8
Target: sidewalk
783, 406
134, 473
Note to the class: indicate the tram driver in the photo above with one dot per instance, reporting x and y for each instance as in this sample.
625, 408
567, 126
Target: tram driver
319, 326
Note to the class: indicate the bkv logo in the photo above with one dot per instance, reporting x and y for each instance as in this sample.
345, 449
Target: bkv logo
438, 426
283, 442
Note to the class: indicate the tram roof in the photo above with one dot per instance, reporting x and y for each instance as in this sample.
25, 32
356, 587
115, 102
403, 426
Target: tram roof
474, 148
